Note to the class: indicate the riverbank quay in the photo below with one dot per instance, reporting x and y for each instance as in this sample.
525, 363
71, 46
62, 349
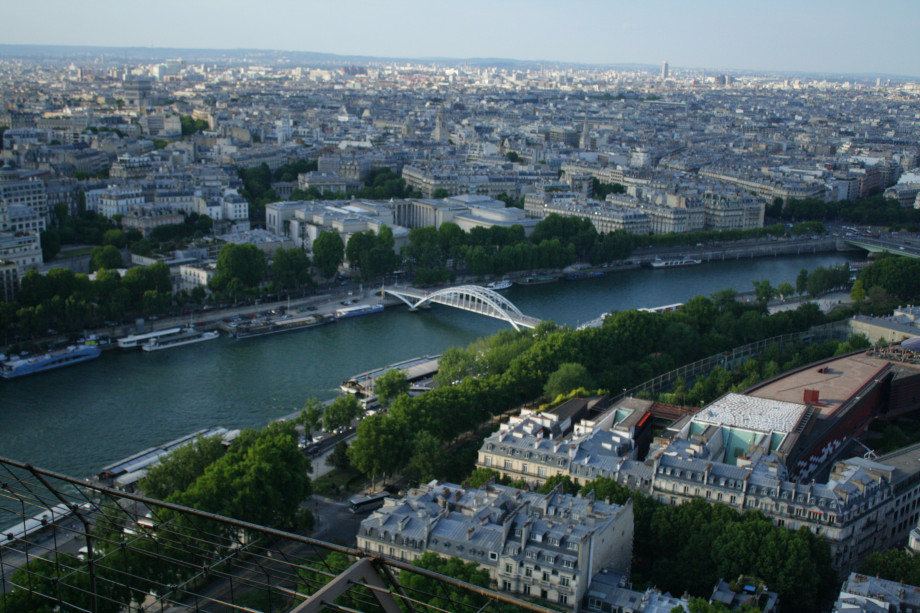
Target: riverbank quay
330, 297
147, 398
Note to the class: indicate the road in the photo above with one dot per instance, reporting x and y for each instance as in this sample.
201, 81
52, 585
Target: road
825, 302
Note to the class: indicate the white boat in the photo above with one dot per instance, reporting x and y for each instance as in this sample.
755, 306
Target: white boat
667, 308
356, 311
684, 261
136, 341
594, 323
184, 337
497, 286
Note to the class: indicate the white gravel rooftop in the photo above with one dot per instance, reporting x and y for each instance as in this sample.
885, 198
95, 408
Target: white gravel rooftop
752, 413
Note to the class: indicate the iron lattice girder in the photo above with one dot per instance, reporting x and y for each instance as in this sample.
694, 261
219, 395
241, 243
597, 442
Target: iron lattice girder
217, 561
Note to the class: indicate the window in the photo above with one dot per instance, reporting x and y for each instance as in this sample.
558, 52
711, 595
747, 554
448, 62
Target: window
572, 545
528, 572
564, 581
509, 568
541, 471
524, 468
527, 590
487, 460
563, 599
545, 576
493, 555
568, 564
506, 586
507, 464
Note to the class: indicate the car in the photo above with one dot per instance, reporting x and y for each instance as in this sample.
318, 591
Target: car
347, 302
312, 307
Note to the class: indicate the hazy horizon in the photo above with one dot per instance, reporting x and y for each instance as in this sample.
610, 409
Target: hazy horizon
821, 36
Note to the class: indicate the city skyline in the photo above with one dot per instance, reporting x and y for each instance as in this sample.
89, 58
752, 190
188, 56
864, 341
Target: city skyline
816, 37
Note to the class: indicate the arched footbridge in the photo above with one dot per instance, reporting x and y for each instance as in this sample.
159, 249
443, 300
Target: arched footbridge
473, 298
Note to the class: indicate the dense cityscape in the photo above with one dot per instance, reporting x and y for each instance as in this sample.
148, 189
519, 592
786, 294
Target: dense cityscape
750, 450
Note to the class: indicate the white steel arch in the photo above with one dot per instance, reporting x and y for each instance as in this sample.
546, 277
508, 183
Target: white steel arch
472, 298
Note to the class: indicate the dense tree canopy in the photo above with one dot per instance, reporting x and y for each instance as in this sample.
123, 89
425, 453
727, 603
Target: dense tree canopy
873, 210
894, 565
291, 269
328, 252
239, 268
898, 276
262, 479
568, 377
341, 412
389, 385
371, 253
105, 258
182, 467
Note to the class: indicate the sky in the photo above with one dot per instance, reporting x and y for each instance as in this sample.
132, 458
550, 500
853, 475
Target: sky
839, 36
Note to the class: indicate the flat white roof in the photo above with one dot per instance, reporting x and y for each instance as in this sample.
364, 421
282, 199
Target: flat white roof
752, 413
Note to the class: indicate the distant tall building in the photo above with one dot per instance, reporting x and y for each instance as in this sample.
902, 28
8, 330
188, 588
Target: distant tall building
664, 70
440, 132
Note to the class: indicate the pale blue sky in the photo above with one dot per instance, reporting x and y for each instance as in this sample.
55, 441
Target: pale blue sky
807, 35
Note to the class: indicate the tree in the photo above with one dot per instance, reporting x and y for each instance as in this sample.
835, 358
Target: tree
567, 377
328, 252
381, 446
893, 565
568, 486
311, 416
177, 471
785, 289
428, 458
105, 258
115, 237
857, 294
358, 251
343, 410
801, 282
339, 456
389, 385
261, 479
244, 264
51, 244
481, 476
291, 268
191, 126
441, 596
764, 292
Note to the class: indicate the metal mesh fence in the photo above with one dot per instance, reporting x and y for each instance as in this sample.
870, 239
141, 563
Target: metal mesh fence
73, 545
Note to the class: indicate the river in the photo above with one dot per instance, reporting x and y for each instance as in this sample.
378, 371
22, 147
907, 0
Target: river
77, 419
